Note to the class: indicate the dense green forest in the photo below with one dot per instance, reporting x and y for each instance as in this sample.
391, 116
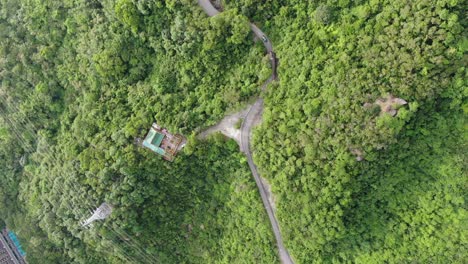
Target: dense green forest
81, 80
406, 200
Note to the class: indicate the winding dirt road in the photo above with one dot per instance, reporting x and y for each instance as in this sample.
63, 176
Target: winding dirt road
246, 129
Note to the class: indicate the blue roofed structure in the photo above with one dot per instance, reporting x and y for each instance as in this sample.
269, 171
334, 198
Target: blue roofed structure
11, 251
15, 240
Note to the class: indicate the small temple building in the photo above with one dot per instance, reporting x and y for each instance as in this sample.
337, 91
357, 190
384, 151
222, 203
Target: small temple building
163, 143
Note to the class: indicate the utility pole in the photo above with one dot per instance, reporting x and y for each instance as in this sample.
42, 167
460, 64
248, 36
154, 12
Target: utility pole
102, 212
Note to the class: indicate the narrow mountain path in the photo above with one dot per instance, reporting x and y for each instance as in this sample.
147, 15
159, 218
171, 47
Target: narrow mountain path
249, 121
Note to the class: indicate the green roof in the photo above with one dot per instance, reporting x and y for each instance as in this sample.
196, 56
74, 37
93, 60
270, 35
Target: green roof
157, 139
158, 150
153, 141
154, 138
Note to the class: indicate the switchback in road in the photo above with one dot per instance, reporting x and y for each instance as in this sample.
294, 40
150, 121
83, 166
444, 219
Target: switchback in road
246, 128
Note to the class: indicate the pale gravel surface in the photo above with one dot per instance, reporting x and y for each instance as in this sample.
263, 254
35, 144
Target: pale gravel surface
227, 126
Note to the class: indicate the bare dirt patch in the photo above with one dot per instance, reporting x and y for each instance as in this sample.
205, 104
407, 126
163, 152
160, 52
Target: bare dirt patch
227, 126
389, 104
271, 197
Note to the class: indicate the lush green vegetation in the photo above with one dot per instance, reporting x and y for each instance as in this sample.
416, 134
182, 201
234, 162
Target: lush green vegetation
80, 80
406, 201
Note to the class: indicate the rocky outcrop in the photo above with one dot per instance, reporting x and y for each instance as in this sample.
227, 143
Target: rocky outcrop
389, 104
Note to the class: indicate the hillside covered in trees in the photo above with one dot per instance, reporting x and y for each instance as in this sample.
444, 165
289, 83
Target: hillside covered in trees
81, 80
405, 201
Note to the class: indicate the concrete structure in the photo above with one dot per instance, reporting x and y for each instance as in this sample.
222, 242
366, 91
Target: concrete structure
10, 249
163, 143
102, 212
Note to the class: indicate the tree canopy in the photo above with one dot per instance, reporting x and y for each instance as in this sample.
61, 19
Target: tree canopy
81, 80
